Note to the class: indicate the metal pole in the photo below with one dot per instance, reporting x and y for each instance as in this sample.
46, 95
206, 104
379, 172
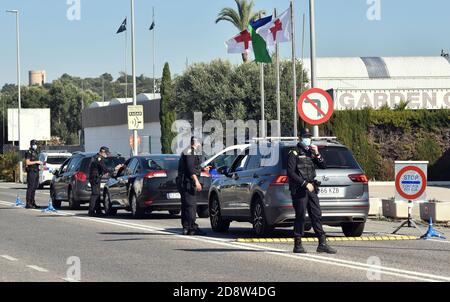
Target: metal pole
263, 115
277, 56
18, 85
133, 55
313, 54
126, 65
303, 54
154, 55
3, 120
294, 71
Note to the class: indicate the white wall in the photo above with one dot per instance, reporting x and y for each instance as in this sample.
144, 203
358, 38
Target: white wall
117, 138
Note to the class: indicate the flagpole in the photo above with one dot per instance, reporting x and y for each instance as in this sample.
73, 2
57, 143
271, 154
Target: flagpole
294, 72
277, 57
126, 67
303, 53
154, 55
313, 54
263, 115
133, 64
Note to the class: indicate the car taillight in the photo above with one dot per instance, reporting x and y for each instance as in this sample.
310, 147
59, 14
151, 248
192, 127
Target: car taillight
156, 174
280, 180
359, 178
80, 176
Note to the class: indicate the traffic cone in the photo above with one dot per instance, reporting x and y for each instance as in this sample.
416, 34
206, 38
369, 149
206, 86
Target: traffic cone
19, 202
50, 208
431, 232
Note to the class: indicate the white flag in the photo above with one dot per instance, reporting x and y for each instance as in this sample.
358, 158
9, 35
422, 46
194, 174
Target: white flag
239, 44
278, 30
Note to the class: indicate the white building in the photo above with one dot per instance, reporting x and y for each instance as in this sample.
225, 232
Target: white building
106, 124
355, 83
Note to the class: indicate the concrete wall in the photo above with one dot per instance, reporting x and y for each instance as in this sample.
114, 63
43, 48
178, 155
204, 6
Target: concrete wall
117, 138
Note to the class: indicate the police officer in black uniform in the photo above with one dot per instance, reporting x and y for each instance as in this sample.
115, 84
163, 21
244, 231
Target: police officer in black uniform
188, 184
97, 169
32, 168
304, 190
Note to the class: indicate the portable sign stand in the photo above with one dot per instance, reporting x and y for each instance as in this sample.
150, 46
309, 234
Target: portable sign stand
410, 187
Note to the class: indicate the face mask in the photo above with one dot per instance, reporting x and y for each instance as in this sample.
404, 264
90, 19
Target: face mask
306, 142
34, 147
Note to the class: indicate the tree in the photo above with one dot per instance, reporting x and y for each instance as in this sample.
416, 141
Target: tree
167, 117
240, 18
223, 91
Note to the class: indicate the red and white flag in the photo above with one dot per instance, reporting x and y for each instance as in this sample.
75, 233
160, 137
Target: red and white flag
241, 43
278, 30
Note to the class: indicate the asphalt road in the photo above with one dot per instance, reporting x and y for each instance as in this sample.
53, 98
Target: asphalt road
36, 246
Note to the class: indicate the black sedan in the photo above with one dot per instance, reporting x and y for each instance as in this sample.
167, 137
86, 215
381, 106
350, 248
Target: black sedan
146, 184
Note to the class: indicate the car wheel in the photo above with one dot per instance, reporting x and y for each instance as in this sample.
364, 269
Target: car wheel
109, 210
353, 229
174, 212
218, 224
73, 204
203, 211
136, 210
56, 203
259, 220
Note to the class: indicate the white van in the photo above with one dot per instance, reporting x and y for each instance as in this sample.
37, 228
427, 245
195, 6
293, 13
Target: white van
52, 160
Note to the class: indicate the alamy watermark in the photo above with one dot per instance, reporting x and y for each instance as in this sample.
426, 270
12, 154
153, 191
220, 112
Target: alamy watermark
73, 10
73, 273
374, 10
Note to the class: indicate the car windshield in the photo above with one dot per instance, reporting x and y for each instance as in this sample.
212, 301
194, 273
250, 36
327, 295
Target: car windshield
163, 163
334, 157
56, 160
112, 162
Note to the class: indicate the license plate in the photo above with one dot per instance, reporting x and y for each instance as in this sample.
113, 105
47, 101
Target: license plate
173, 196
333, 192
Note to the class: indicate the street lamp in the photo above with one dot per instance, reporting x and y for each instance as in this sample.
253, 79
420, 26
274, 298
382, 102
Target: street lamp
16, 12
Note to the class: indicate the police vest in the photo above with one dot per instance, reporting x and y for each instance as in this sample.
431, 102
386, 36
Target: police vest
305, 165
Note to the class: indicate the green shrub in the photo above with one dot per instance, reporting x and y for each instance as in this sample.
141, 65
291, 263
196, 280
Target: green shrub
8, 165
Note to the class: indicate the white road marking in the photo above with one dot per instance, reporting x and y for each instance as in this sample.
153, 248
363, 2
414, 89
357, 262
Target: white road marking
70, 280
38, 268
413, 275
9, 258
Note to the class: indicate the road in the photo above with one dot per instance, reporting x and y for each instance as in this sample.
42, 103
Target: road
36, 246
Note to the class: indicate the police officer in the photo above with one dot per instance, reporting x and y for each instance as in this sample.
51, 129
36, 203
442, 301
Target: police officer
188, 184
97, 169
32, 167
304, 189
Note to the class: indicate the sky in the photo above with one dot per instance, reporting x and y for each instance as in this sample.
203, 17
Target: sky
186, 31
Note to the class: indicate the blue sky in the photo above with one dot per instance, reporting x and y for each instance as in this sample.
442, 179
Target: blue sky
186, 29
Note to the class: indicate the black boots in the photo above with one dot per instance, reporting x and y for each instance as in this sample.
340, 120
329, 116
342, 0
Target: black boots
324, 247
298, 247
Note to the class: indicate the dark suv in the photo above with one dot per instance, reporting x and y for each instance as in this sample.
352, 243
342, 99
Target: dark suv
71, 182
251, 191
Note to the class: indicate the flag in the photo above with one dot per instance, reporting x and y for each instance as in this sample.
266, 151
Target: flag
278, 30
240, 43
122, 27
258, 43
152, 27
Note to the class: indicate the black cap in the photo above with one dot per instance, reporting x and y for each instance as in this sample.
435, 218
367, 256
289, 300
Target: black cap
305, 133
33, 142
104, 149
194, 140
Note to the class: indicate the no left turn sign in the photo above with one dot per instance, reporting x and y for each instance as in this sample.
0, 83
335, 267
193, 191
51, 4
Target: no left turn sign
315, 106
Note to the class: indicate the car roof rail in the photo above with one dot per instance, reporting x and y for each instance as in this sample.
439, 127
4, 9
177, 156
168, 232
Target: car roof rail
330, 139
54, 151
273, 138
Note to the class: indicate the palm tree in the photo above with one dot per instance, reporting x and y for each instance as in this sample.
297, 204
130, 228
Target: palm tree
241, 17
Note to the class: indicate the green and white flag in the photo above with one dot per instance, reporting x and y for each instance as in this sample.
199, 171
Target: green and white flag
259, 45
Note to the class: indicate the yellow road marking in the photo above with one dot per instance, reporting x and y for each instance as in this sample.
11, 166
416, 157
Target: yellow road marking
366, 238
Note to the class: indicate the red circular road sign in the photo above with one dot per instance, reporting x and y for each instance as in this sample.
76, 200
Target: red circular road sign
399, 182
316, 115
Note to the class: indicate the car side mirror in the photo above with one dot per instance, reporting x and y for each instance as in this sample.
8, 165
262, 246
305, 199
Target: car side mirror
56, 173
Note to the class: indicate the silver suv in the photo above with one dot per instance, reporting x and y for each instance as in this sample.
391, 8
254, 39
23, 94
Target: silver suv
250, 191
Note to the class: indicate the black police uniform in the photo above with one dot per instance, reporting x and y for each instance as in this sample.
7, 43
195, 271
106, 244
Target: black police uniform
32, 177
188, 165
301, 171
96, 171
